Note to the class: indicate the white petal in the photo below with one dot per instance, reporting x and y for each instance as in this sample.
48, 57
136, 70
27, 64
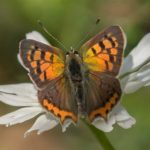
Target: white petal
141, 74
136, 80
138, 56
20, 115
127, 123
66, 124
147, 84
118, 115
122, 117
43, 123
102, 125
34, 35
23, 94
134, 86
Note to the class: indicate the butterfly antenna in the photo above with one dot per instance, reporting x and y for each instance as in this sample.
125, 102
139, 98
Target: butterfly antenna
85, 37
46, 31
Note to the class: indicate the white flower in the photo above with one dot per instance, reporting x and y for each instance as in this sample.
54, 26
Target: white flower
134, 74
136, 67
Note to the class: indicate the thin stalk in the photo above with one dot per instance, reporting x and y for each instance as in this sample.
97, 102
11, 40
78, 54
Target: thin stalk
101, 138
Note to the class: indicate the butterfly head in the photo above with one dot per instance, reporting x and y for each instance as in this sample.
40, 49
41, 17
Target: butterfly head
72, 54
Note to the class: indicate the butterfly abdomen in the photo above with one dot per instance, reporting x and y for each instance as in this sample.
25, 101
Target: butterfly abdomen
76, 79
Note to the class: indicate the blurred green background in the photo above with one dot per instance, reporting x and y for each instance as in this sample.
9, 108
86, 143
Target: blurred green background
69, 21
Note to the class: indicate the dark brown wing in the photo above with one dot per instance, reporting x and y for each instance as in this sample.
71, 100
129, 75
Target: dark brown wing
44, 63
103, 53
59, 100
102, 92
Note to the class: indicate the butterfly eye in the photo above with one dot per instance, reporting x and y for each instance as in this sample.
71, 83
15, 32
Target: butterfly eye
76, 52
36, 47
67, 53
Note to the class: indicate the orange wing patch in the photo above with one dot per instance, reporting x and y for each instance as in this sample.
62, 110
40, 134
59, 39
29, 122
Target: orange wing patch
58, 112
36, 55
47, 56
103, 112
107, 43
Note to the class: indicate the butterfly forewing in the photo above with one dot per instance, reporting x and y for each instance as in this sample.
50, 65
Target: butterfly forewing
45, 63
103, 53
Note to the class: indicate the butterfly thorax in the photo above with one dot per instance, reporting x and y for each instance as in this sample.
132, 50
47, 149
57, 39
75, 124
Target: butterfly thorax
74, 69
75, 74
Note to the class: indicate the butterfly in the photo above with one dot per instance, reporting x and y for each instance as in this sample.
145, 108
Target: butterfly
77, 84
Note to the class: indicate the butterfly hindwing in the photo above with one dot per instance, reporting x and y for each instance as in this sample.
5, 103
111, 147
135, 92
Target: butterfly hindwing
43, 62
103, 53
102, 94
59, 100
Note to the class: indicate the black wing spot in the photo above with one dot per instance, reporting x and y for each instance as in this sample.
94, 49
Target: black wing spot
112, 42
36, 47
111, 58
52, 58
45, 77
38, 63
106, 63
32, 54
93, 50
42, 54
38, 70
101, 44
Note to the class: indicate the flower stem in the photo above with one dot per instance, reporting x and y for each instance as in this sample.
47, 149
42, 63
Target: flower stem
101, 137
